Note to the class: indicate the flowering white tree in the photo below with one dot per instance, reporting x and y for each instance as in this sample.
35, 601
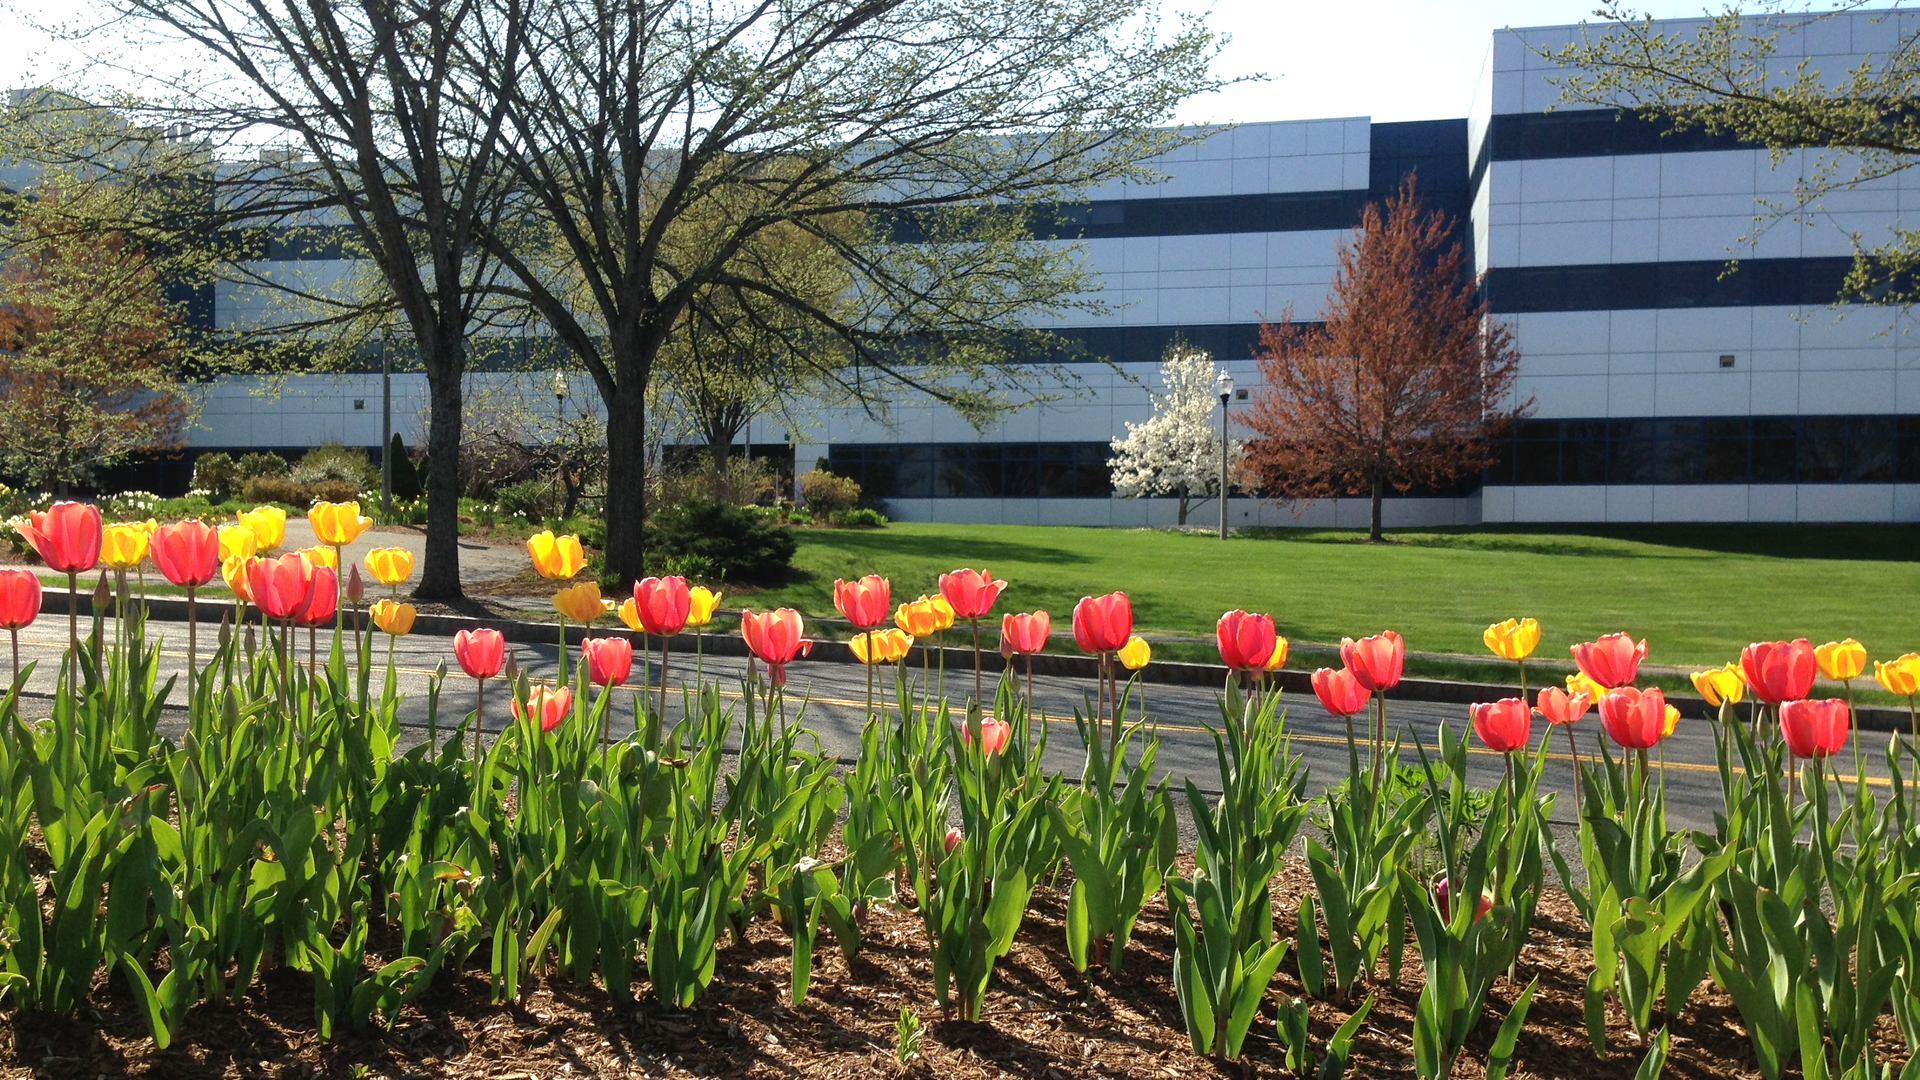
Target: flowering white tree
1176, 451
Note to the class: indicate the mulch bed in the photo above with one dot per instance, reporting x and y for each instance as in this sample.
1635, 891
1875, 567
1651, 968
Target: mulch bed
1042, 1020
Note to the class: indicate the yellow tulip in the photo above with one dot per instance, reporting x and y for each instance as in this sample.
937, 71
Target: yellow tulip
881, 646
123, 546
268, 524
234, 570
320, 555
927, 615
1841, 660
1900, 675
1278, 659
393, 616
1671, 721
1135, 653
555, 557
629, 612
1514, 639
702, 602
238, 542
582, 602
1721, 684
1578, 683
148, 526
339, 523
390, 565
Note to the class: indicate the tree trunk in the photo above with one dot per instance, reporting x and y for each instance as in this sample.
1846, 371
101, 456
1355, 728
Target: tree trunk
1184, 494
626, 481
440, 576
1379, 489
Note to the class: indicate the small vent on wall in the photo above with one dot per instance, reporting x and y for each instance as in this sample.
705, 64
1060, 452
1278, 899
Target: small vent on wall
1726, 359
359, 403
1240, 394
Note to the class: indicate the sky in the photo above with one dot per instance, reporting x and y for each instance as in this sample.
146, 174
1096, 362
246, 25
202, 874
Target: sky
1388, 59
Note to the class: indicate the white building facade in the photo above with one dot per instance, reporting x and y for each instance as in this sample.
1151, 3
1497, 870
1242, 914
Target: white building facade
1665, 388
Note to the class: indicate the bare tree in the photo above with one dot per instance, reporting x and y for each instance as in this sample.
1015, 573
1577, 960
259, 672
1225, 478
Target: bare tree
944, 124
395, 136
1406, 381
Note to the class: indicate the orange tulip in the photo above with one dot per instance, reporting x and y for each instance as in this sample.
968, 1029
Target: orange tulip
776, 638
971, 592
609, 660
282, 587
187, 552
1560, 707
1024, 633
994, 736
1636, 719
662, 604
1339, 691
865, 602
548, 705
322, 599
1612, 660
67, 536
1375, 661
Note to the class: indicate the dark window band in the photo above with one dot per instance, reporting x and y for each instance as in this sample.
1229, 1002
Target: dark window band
1286, 211
1598, 133
1514, 290
1712, 450
1063, 470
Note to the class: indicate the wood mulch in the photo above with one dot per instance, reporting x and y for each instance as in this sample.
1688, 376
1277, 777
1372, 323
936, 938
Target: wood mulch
1042, 1020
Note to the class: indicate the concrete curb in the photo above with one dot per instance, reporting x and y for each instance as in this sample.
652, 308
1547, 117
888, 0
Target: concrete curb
724, 640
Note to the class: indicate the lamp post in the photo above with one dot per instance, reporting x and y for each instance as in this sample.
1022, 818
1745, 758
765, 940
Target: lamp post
386, 428
1224, 384
559, 433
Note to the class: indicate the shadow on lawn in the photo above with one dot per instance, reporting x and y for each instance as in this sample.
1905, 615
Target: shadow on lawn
1872, 542
964, 550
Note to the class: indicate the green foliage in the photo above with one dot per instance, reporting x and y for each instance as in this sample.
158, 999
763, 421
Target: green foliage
261, 463
1225, 951
216, 475
730, 543
276, 489
860, 517
827, 494
332, 462
530, 500
1119, 840
406, 478
907, 1034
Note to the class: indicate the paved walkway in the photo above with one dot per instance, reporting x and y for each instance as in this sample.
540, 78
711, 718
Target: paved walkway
478, 561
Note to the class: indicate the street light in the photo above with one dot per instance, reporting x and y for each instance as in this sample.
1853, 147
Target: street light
559, 433
1223, 384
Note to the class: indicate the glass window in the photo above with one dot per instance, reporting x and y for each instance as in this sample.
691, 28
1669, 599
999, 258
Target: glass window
1725, 461
915, 472
1630, 461
1583, 460
1536, 461
1772, 461
1021, 478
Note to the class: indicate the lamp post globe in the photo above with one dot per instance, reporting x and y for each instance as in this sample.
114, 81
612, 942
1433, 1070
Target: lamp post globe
1224, 385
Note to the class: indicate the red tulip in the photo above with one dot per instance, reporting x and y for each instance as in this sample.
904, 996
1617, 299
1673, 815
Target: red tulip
1102, 624
1246, 640
1814, 729
662, 604
609, 660
19, 598
280, 587
67, 536
1778, 671
548, 705
775, 637
480, 652
186, 552
1505, 725
994, 735
1446, 908
1339, 691
1560, 707
1375, 661
1024, 633
1612, 660
322, 598
1636, 719
971, 592
953, 838
867, 602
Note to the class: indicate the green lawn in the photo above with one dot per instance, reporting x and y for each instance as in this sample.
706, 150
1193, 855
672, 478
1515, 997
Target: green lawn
1697, 593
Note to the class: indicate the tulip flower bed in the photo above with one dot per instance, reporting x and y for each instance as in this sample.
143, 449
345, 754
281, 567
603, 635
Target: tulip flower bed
295, 879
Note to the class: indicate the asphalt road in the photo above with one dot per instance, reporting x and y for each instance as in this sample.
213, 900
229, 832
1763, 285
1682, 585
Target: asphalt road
835, 705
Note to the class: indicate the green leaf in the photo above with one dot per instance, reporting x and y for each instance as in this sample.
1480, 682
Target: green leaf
1655, 1061
1500, 1055
1340, 1047
1307, 949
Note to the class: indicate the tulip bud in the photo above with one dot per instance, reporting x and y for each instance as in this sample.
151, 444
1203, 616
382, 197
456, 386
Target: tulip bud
355, 587
1727, 715
101, 594
226, 630
953, 839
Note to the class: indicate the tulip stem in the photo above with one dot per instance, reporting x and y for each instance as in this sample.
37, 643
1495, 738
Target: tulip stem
868, 637
665, 641
14, 631
193, 644
1579, 780
479, 713
73, 622
1029, 682
977, 696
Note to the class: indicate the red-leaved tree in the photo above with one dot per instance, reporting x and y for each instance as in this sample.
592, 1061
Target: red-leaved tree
1405, 383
